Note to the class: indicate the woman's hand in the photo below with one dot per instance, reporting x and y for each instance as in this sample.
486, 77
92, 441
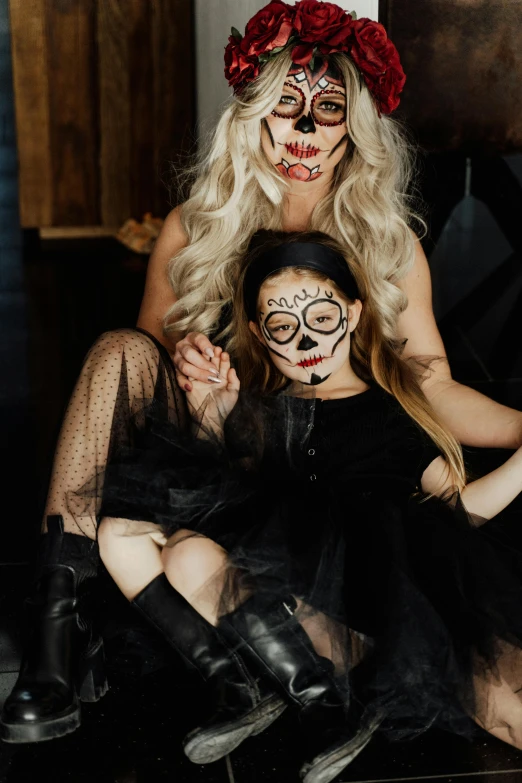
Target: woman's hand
194, 361
211, 406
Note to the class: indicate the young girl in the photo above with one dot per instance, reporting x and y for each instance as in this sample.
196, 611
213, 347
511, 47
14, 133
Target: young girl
324, 525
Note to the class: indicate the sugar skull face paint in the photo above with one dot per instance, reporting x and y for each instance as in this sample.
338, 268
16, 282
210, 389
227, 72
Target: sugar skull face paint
305, 135
305, 326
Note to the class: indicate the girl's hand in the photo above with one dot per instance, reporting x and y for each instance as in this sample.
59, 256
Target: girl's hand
218, 402
193, 360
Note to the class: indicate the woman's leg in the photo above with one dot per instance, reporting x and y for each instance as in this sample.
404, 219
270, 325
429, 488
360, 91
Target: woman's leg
124, 372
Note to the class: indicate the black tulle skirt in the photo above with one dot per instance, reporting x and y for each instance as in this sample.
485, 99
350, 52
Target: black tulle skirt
419, 608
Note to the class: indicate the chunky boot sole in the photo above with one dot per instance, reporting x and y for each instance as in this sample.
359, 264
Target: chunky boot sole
93, 687
328, 765
203, 746
40, 731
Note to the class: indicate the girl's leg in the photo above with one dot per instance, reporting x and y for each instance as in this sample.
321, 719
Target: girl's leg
278, 645
240, 706
191, 563
275, 640
195, 566
133, 560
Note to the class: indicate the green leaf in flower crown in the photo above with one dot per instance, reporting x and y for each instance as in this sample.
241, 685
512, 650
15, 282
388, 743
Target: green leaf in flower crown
353, 14
311, 64
236, 34
264, 57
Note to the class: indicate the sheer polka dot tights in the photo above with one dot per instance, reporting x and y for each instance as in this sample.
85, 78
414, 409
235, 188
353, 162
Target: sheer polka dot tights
122, 369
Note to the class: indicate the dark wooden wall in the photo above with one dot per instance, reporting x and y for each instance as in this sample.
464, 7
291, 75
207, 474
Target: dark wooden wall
463, 60
104, 96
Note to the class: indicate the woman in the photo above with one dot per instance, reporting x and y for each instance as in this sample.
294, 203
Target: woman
312, 85
343, 527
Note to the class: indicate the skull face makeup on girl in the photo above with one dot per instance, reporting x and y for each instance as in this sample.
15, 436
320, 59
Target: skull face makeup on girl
305, 135
305, 324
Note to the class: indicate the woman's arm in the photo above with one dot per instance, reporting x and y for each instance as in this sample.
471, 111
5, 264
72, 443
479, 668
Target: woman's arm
192, 355
473, 418
486, 497
158, 295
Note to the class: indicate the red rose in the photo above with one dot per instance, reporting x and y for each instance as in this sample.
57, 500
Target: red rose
370, 48
379, 62
322, 23
387, 88
269, 29
239, 67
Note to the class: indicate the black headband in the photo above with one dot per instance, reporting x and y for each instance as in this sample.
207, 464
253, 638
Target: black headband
309, 255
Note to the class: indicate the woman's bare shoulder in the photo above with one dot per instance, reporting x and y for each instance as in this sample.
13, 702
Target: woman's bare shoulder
172, 233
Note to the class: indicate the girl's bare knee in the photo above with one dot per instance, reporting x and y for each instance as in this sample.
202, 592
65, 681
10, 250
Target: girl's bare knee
190, 558
182, 545
179, 536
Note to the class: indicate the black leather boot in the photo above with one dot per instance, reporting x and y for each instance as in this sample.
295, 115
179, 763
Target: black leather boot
242, 706
269, 637
63, 661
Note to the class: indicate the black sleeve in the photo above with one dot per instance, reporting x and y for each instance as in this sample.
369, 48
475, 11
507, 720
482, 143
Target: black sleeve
429, 452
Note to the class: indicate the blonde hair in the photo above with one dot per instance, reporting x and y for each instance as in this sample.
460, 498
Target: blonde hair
373, 356
238, 191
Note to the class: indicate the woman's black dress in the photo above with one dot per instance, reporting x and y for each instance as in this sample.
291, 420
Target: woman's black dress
418, 604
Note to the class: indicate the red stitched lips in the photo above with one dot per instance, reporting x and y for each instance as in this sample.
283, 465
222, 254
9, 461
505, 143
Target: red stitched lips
311, 361
300, 150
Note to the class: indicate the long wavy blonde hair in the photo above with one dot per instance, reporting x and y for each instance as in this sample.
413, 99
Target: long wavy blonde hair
374, 357
238, 191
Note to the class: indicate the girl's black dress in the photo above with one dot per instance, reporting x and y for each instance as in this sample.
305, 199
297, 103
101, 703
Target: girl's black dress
418, 604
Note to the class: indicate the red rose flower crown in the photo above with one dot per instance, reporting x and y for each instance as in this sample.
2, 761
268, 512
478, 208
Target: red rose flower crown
313, 28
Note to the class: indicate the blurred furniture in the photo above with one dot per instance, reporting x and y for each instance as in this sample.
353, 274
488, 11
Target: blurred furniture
104, 98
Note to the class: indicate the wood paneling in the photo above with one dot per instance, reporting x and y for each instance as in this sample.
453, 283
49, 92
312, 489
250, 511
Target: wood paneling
104, 99
73, 112
141, 125
113, 58
174, 83
31, 89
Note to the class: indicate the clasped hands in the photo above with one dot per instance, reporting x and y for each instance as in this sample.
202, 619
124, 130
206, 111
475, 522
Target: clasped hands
210, 383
